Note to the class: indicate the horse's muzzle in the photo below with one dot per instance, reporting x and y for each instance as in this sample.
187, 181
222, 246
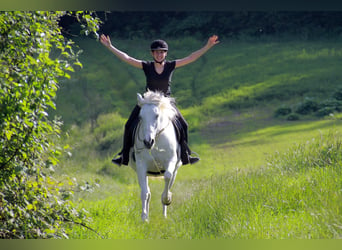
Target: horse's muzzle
149, 144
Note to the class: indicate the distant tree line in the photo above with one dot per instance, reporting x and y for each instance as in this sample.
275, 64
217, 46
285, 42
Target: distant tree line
234, 24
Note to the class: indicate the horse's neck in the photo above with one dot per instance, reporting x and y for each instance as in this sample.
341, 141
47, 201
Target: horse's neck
168, 131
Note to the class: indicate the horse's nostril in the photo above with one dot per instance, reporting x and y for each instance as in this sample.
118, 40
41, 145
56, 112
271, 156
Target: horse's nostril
148, 144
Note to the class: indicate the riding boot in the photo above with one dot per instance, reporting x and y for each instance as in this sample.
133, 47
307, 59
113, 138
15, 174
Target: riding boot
184, 154
131, 124
122, 157
127, 144
181, 128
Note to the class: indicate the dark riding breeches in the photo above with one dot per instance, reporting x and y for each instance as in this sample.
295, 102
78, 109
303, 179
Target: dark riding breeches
180, 125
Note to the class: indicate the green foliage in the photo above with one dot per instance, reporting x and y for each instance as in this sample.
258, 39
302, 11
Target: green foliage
338, 94
283, 111
307, 107
34, 56
293, 117
325, 111
108, 133
312, 107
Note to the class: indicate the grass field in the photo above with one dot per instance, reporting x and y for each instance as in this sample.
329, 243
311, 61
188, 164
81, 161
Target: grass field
260, 176
250, 192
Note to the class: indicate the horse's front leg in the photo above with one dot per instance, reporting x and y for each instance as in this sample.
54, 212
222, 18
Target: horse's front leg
169, 178
145, 194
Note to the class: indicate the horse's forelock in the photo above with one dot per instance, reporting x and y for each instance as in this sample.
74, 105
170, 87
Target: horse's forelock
151, 97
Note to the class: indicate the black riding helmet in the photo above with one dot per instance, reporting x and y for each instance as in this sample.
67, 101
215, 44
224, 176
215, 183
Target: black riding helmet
159, 45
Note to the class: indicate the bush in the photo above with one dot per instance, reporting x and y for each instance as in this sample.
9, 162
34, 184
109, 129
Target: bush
32, 203
330, 103
109, 132
338, 94
325, 111
282, 111
293, 117
307, 107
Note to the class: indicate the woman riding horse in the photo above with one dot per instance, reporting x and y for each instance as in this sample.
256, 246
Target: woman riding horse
158, 78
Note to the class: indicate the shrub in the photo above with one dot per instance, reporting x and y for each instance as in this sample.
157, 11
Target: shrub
307, 107
293, 117
330, 103
325, 111
338, 94
32, 203
109, 132
282, 111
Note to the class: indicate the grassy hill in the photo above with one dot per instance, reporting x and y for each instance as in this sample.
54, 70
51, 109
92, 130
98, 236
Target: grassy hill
232, 75
254, 179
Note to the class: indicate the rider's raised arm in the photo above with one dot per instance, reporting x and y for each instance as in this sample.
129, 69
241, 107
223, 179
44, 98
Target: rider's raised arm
197, 54
105, 40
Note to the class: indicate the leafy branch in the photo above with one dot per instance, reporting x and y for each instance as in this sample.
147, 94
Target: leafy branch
31, 204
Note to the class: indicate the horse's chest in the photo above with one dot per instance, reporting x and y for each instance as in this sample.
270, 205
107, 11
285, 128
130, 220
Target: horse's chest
160, 154
156, 157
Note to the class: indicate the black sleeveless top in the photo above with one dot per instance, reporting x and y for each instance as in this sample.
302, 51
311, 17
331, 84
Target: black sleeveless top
159, 82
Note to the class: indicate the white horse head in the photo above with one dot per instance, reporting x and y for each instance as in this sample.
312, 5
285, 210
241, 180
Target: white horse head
156, 113
156, 147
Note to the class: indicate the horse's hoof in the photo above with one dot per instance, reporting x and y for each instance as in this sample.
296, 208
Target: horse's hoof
167, 199
144, 218
167, 203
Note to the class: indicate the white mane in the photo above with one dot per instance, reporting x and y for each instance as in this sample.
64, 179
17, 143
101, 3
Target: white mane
157, 98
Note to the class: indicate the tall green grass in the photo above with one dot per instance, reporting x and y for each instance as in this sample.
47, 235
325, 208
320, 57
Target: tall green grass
295, 194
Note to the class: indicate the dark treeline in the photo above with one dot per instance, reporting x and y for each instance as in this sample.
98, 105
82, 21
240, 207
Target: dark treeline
131, 25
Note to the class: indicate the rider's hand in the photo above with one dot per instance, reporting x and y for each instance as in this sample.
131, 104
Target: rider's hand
213, 40
105, 40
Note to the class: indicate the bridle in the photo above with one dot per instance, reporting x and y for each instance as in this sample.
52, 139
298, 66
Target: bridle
141, 140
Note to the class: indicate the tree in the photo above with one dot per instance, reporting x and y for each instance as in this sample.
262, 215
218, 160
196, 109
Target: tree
34, 55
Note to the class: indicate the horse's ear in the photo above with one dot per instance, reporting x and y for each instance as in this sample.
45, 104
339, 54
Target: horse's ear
140, 99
